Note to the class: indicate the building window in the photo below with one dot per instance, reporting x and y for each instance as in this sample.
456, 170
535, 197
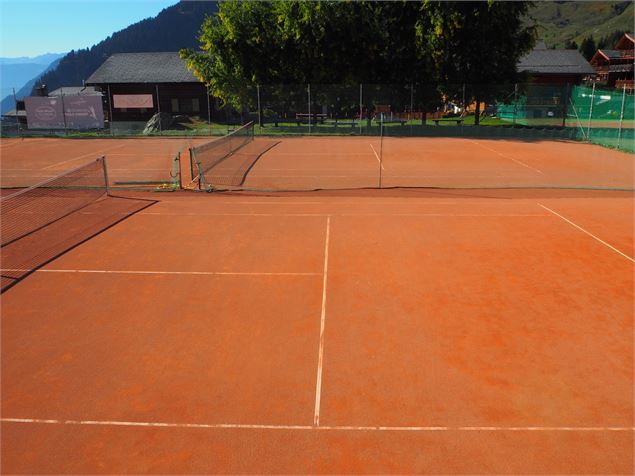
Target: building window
175, 105
195, 105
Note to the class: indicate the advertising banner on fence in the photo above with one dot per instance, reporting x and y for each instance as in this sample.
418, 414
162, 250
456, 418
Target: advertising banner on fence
68, 112
44, 112
83, 112
133, 101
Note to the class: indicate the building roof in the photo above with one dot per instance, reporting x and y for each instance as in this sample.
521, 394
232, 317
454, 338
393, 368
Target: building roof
555, 62
626, 42
76, 91
165, 67
611, 54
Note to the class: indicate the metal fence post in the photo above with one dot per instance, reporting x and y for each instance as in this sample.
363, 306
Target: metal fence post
515, 103
412, 101
105, 168
159, 110
360, 109
619, 133
110, 110
17, 117
588, 129
209, 111
64, 111
259, 113
381, 145
309, 92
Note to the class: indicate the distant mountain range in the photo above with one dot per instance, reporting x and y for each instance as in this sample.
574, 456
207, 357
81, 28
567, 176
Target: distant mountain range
44, 59
176, 27
16, 73
173, 28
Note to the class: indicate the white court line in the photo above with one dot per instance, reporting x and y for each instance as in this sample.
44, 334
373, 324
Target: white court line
318, 385
377, 157
195, 273
343, 214
508, 157
91, 154
588, 233
248, 426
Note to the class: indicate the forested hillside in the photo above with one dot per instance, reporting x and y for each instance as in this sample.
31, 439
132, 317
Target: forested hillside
174, 28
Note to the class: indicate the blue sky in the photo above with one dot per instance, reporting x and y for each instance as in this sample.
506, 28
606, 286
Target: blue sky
35, 27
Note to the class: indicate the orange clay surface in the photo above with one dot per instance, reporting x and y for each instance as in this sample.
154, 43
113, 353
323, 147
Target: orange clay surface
436, 332
354, 162
24, 162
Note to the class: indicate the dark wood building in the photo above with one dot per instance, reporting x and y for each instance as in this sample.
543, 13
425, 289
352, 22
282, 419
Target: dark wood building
138, 85
615, 67
545, 66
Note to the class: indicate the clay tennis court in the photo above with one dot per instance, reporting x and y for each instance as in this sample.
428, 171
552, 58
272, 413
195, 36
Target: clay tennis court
138, 162
438, 331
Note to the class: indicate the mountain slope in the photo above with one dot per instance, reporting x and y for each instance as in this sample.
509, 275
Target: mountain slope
173, 28
45, 59
8, 102
559, 22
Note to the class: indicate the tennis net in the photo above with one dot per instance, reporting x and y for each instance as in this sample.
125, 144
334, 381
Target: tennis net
33, 208
209, 155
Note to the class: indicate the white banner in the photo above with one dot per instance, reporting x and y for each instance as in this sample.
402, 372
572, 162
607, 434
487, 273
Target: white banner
133, 101
83, 112
44, 112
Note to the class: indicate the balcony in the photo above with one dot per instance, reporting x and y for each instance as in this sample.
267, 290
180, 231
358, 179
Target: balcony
628, 83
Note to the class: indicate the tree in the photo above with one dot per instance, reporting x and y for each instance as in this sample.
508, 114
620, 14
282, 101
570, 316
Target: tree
477, 44
332, 42
570, 45
300, 42
587, 47
608, 41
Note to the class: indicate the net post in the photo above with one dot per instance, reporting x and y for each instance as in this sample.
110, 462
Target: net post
192, 176
103, 165
201, 177
588, 129
619, 131
177, 165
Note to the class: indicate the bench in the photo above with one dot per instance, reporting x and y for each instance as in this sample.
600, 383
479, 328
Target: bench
401, 122
313, 118
338, 122
458, 121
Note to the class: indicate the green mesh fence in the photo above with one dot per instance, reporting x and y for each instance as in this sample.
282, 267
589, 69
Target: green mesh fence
604, 116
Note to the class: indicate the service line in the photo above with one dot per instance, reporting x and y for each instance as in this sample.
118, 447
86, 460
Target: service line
195, 273
508, 157
248, 426
94, 154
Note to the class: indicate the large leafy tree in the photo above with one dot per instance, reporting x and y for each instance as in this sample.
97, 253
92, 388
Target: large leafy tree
300, 42
423, 43
476, 44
